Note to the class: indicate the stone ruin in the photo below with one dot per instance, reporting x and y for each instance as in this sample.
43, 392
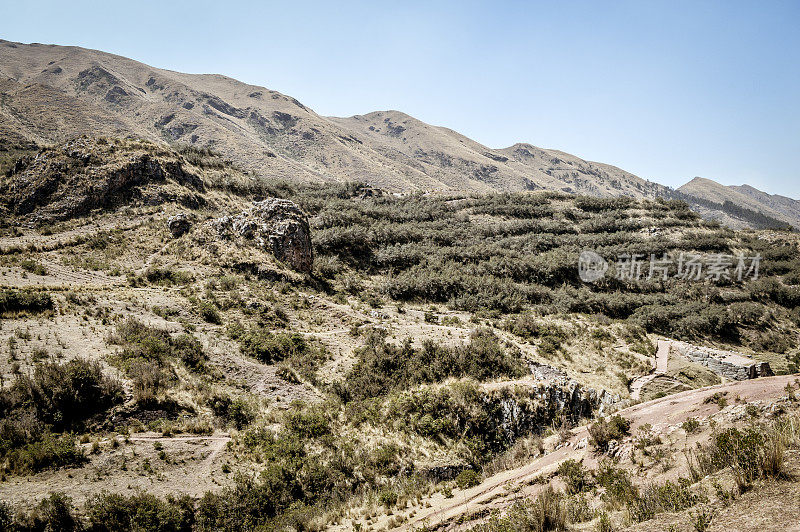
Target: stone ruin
728, 364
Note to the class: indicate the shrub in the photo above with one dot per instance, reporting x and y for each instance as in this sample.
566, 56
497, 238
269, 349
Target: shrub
62, 395
56, 397
141, 511
33, 266
190, 351
166, 277
307, 423
24, 301
143, 343
545, 513
6, 516
269, 347
52, 513
468, 478
578, 509
657, 498
617, 484
387, 498
209, 312
382, 367
691, 425
574, 476
235, 411
750, 453
605, 430
48, 451
149, 380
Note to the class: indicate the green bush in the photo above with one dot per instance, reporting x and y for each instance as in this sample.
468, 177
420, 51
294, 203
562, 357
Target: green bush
209, 312
468, 478
149, 381
617, 485
605, 430
237, 412
657, 498
387, 498
24, 301
110, 512
190, 351
267, 346
307, 423
55, 512
61, 395
574, 476
144, 343
47, 451
382, 367
56, 397
33, 266
751, 453
547, 512
167, 277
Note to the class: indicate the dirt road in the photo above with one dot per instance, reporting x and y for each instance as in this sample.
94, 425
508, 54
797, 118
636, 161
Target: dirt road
660, 413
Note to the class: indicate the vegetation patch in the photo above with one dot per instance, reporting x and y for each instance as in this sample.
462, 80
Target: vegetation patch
56, 398
15, 302
383, 367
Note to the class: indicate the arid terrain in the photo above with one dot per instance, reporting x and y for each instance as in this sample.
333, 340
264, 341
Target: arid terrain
221, 311
52, 93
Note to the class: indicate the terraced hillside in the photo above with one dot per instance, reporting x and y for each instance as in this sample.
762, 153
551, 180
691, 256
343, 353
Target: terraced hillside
160, 360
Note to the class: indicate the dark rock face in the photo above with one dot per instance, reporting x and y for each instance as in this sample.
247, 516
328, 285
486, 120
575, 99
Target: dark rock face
516, 413
179, 224
85, 174
276, 225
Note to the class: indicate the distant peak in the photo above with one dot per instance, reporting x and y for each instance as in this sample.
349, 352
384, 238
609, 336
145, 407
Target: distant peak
697, 180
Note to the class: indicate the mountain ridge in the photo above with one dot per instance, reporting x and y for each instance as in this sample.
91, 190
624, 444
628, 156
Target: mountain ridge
782, 208
52, 93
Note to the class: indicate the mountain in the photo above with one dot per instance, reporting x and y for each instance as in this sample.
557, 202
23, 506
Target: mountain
51, 93
746, 198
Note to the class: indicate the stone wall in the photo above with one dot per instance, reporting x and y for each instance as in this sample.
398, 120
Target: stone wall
728, 364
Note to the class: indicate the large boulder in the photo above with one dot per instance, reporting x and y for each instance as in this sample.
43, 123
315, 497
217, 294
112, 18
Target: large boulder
179, 224
276, 225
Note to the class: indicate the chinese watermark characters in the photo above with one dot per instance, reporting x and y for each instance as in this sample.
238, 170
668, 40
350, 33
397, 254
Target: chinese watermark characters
715, 267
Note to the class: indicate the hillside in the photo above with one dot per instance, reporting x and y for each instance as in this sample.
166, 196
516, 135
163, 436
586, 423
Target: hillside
212, 350
778, 207
51, 93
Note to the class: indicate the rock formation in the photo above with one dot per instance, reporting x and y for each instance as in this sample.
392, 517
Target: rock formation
276, 225
87, 173
179, 224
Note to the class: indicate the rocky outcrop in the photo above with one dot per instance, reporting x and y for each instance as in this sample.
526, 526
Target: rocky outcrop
568, 392
179, 224
87, 173
276, 225
522, 407
728, 364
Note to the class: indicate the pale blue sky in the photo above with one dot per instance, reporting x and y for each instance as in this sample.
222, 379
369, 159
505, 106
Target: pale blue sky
667, 90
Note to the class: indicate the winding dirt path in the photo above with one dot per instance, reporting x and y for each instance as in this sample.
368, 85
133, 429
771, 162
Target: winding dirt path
660, 413
191, 464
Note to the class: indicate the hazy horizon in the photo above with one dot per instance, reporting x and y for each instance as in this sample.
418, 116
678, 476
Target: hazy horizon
667, 91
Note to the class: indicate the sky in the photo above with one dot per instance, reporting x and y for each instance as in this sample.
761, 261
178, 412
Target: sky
667, 90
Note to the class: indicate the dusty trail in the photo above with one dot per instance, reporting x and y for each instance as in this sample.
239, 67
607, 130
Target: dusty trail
660, 413
191, 465
662, 360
